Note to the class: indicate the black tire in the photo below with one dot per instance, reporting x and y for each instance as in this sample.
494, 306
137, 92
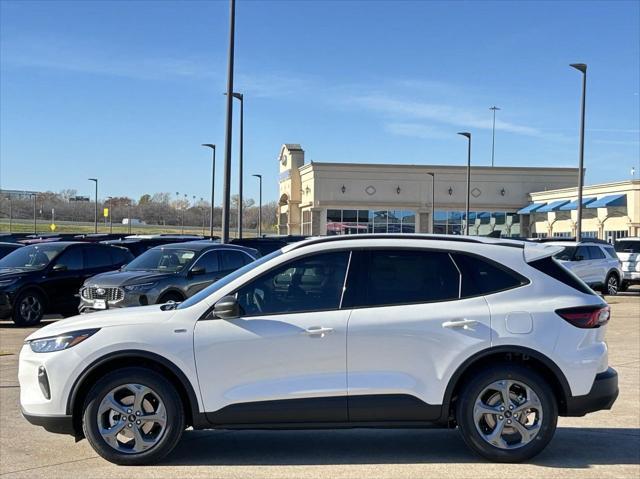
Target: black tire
28, 308
611, 284
175, 417
624, 286
170, 296
478, 383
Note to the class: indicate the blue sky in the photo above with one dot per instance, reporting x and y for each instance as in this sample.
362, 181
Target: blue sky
127, 91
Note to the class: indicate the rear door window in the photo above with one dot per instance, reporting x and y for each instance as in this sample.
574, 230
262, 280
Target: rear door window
396, 277
72, 259
480, 277
96, 257
232, 260
208, 261
595, 252
582, 254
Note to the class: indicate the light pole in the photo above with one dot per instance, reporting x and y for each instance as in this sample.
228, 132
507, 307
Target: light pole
493, 135
10, 214
95, 217
213, 185
260, 206
184, 207
110, 198
226, 186
35, 218
433, 199
466, 223
583, 68
129, 214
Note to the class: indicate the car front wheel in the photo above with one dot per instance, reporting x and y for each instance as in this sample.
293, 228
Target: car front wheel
612, 285
507, 413
28, 309
133, 416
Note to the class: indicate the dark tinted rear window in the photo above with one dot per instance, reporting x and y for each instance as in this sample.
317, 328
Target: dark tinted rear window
404, 277
550, 267
97, 257
626, 246
595, 252
480, 277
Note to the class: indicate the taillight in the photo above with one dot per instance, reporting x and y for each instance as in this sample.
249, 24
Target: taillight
585, 316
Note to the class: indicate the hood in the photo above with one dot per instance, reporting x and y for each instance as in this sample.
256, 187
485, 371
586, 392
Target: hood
122, 278
105, 319
11, 273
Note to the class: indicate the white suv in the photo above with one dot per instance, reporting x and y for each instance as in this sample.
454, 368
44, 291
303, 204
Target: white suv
628, 250
488, 335
594, 262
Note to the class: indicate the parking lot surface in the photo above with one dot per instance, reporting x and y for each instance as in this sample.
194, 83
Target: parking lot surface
603, 444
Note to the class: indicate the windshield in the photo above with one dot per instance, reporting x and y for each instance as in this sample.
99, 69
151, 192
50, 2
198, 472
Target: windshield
32, 258
196, 298
165, 260
566, 254
626, 246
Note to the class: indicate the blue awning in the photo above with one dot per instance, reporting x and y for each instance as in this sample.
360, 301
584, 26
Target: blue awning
609, 201
574, 204
530, 208
553, 206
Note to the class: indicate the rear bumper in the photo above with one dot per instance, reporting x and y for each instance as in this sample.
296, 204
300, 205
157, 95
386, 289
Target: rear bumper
55, 424
603, 394
631, 277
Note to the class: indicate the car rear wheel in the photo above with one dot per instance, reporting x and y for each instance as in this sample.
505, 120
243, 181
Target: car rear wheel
507, 413
133, 416
28, 308
612, 284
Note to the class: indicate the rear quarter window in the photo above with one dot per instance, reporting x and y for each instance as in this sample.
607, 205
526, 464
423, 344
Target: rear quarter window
481, 277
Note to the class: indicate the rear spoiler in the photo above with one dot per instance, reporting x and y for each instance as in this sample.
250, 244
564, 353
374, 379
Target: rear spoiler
536, 251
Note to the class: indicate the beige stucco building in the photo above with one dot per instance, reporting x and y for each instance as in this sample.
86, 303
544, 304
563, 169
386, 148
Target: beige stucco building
610, 210
342, 198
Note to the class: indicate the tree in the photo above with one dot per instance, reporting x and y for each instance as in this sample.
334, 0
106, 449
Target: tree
144, 199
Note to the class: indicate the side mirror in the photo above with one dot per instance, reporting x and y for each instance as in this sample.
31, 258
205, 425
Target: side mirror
198, 270
59, 267
226, 308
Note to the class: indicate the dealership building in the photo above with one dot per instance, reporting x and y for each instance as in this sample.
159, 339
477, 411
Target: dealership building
319, 198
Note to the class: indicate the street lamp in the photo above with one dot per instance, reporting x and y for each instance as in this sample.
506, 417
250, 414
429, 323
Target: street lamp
583, 68
260, 206
240, 97
466, 223
213, 185
95, 217
433, 199
129, 214
35, 218
493, 135
110, 198
226, 185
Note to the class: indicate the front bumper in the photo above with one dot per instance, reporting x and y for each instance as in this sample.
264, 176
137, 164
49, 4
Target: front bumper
602, 395
129, 300
55, 424
631, 277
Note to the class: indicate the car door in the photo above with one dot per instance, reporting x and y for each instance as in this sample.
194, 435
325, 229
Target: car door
284, 359
204, 271
599, 266
64, 278
407, 332
581, 264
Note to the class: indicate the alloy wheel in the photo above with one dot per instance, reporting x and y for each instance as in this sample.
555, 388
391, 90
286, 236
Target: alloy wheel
612, 285
508, 414
30, 308
132, 418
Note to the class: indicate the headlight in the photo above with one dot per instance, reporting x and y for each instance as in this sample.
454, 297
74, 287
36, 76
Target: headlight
60, 342
139, 287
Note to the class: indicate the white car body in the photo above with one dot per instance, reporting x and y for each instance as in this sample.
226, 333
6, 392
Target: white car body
391, 356
628, 250
594, 271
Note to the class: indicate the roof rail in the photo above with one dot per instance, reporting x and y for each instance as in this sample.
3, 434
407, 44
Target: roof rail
453, 238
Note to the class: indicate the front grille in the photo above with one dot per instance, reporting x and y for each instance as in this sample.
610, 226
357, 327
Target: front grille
109, 294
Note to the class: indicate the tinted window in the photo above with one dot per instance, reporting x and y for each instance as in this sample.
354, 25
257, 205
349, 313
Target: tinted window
595, 252
582, 253
208, 261
72, 259
610, 252
550, 267
97, 257
626, 246
120, 256
34, 257
232, 260
403, 277
481, 277
566, 254
313, 283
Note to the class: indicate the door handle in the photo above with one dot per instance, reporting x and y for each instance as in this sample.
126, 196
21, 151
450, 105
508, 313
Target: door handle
318, 331
460, 323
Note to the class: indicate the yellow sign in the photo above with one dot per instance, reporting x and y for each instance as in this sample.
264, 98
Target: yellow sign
52, 226
106, 212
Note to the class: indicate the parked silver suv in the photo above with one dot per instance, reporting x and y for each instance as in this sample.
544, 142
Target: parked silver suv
595, 262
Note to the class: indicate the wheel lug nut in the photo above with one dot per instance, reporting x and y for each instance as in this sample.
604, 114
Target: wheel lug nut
130, 425
138, 421
129, 411
510, 407
137, 413
508, 421
501, 408
500, 417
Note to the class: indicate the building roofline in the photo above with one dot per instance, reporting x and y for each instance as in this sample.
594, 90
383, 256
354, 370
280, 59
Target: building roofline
574, 189
424, 166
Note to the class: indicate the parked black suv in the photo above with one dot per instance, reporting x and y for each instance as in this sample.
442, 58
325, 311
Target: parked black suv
45, 278
6, 248
138, 244
267, 244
